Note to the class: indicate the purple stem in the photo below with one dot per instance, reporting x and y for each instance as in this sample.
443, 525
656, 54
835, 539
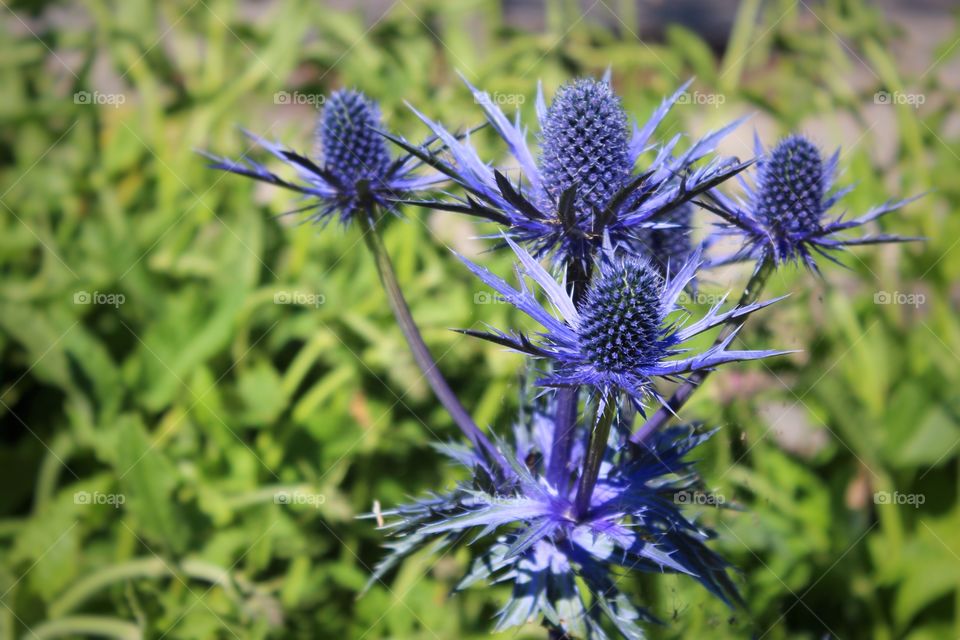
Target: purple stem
563, 428
564, 423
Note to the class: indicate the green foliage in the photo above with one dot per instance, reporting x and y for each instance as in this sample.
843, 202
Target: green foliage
183, 456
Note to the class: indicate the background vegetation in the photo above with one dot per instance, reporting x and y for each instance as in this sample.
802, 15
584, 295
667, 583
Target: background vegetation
183, 389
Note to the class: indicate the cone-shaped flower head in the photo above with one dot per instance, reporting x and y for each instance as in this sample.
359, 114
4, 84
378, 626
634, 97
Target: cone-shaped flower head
623, 334
353, 171
785, 215
620, 318
352, 149
584, 145
790, 188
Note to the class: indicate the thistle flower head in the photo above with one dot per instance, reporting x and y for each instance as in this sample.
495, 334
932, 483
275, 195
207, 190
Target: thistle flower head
785, 213
352, 173
790, 188
579, 188
351, 147
620, 317
584, 145
564, 568
623, 335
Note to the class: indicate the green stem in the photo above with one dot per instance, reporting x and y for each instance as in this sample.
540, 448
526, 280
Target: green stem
53, 463
141, 568
597, 446
741, 41
98, 626
421, 353
751, 293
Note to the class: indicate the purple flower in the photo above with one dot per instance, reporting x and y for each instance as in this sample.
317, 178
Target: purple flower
354, 174
785, 214
626, 332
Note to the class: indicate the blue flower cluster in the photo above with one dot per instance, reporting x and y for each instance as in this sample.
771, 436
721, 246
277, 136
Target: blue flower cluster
600, 218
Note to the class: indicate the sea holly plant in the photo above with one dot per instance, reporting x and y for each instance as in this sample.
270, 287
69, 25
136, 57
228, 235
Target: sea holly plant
599, 217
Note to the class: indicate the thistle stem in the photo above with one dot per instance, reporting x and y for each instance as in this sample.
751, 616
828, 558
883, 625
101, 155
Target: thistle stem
421, 353
751, 293
563, 428
597, 446
578, 278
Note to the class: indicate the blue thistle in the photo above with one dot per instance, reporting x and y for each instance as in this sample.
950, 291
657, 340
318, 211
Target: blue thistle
347, 129
355, 172
620, 318
584, 189
785, 214
623, 334
790, 188
564, 566
584, 146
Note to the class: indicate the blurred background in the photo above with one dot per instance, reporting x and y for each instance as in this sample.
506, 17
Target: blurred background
198, 397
